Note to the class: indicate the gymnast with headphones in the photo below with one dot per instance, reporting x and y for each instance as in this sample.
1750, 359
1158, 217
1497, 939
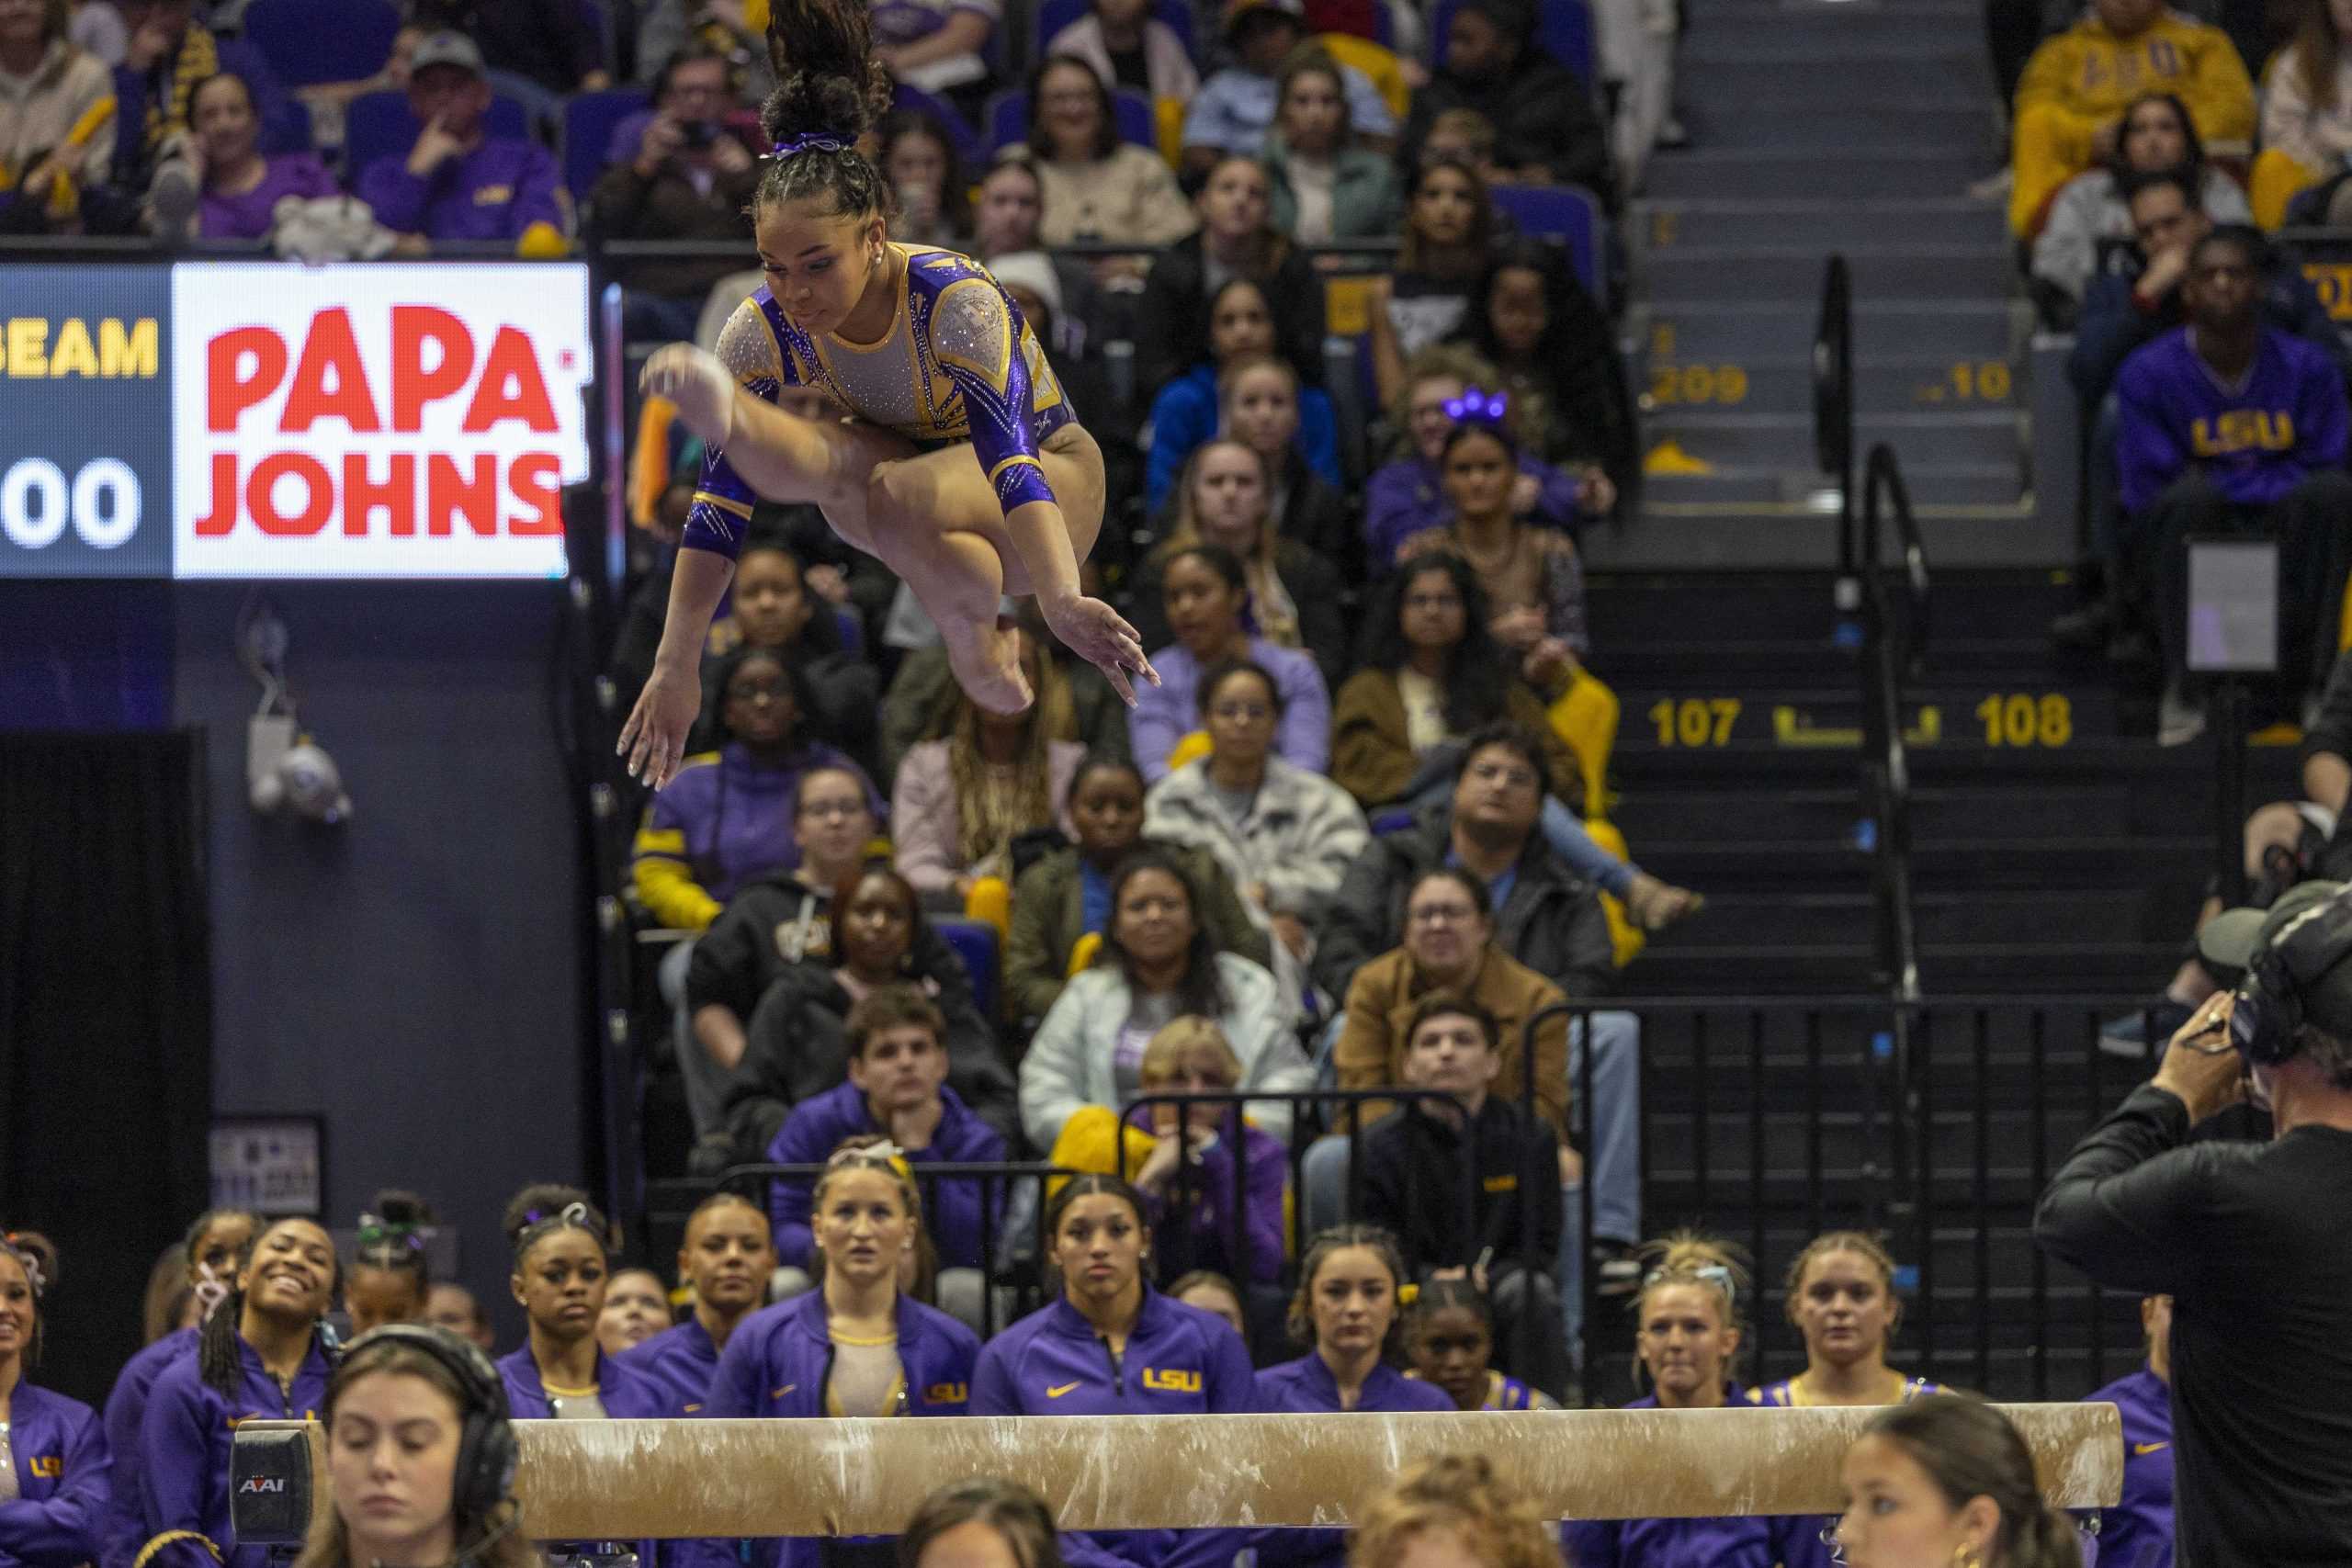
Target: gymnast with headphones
2253, 1241
420, 1459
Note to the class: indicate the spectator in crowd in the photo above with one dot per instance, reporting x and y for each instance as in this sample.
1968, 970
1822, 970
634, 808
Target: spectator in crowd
960, 803
1546, 130
724, 1261
563, 1267
261, 1352
1533, 580
2239, 1232
720, 823
2228, 426
1456, 1505
1190, 1212
1262, 405
215, 183
1286, 837
1839, 1294
1558, 356
1450, 1343
1544, 914
690, 178
1097, 187
58, 119
666, 27
1406, 495
1205, 591
2306, 112
2139, 1527
1061, 906
1449, 232
168, 53
1236, 105
1240, 317
1449, 946
97, 28
1324, 187
213, 1255
798, 1045
900, 1050
773, 604
540, 51
1430, 673
1008, 219
390, 1278
1948, 1480
1213, 1293
1687, 1330
1076, 702
1156, 963
918, 159
636, 1308
1465, 136
57, 1467
2088, 214
858, 1345
1470, 1188
1130, 48
452, 1307
459, 182
2070, 104
1296, 596
940, 46
775, 922
1059, 300
1234, 239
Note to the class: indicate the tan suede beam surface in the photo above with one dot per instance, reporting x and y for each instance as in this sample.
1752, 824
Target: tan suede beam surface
625, 1480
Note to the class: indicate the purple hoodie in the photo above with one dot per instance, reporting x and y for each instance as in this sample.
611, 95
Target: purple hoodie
249, 215
1739, 1542
1306, 1387
494, 192
817, 1127
1404, 497
184, 1443
2137, 1532
59, 1458
125, 1530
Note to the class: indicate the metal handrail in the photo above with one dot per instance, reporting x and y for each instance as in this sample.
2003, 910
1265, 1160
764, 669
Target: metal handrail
1833, 399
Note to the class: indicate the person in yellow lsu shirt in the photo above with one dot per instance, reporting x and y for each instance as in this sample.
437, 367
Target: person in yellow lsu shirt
2075, 90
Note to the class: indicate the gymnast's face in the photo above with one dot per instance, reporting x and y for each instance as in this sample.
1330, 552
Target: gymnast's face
1896, 1517
1098, 1246
559, 1283
862, 1225
1843, 1308
1685, 1343
1450, 1348
727, 1257
817, 263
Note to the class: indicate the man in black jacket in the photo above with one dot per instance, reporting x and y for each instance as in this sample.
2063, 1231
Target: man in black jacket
1473, 1190
2247, 1239
1546, 128
1545, 916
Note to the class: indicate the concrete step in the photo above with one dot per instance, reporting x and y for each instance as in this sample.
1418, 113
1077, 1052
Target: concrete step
1734, 486
1921, 440
1844, 172
1963, 127
1729, 31
1732, 79
1894, 270
1942, 328
1952, 714
1659, 225
1785, 386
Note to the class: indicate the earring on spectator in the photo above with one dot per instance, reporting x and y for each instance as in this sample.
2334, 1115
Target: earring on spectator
1966, 1556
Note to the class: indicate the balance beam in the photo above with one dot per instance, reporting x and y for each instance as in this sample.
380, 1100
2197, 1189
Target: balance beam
627, 1480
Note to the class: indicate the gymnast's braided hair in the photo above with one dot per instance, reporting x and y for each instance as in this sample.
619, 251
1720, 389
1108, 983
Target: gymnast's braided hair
830, 92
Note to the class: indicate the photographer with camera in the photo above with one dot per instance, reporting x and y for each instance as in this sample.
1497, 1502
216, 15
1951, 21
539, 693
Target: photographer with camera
690, 177
2248, 1239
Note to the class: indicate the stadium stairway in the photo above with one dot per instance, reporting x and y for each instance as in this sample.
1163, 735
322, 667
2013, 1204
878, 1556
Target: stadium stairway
1854, 126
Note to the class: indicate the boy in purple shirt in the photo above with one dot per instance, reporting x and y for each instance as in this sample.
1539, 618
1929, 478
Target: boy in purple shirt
458, 183
2230, 426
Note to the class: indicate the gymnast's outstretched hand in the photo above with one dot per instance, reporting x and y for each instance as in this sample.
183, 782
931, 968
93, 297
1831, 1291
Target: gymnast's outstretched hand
653, 742
1101, 636
698, 383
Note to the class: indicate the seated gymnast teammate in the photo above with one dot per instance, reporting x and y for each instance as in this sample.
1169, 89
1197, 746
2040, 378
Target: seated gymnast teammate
960, 465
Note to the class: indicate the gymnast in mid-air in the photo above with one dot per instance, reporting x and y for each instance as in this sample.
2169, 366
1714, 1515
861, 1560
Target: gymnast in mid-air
930, 431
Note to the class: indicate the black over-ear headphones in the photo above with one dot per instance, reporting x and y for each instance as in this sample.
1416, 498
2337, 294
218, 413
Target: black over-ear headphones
484, 1478
2274, 999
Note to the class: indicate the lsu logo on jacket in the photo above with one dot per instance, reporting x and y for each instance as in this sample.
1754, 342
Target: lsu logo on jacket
47, 1467
1171, 1379
948, 1394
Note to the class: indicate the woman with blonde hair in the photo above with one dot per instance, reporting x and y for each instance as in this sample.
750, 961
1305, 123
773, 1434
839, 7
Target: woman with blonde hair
1458, 1512
420, 1457
1686, 1339
2306, 110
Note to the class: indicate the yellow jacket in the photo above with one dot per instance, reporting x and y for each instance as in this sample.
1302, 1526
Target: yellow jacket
2088, 74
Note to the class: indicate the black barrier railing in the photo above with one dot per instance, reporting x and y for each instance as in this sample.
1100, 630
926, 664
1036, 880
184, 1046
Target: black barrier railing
1012, 1197
1833, 399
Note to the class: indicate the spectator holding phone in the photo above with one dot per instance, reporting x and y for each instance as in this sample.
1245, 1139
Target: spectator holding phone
690, 178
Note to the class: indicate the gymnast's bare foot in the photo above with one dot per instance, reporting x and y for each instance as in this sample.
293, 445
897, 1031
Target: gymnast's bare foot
985, 658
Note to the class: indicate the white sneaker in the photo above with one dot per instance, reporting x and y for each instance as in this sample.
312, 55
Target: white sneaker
2178, 720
